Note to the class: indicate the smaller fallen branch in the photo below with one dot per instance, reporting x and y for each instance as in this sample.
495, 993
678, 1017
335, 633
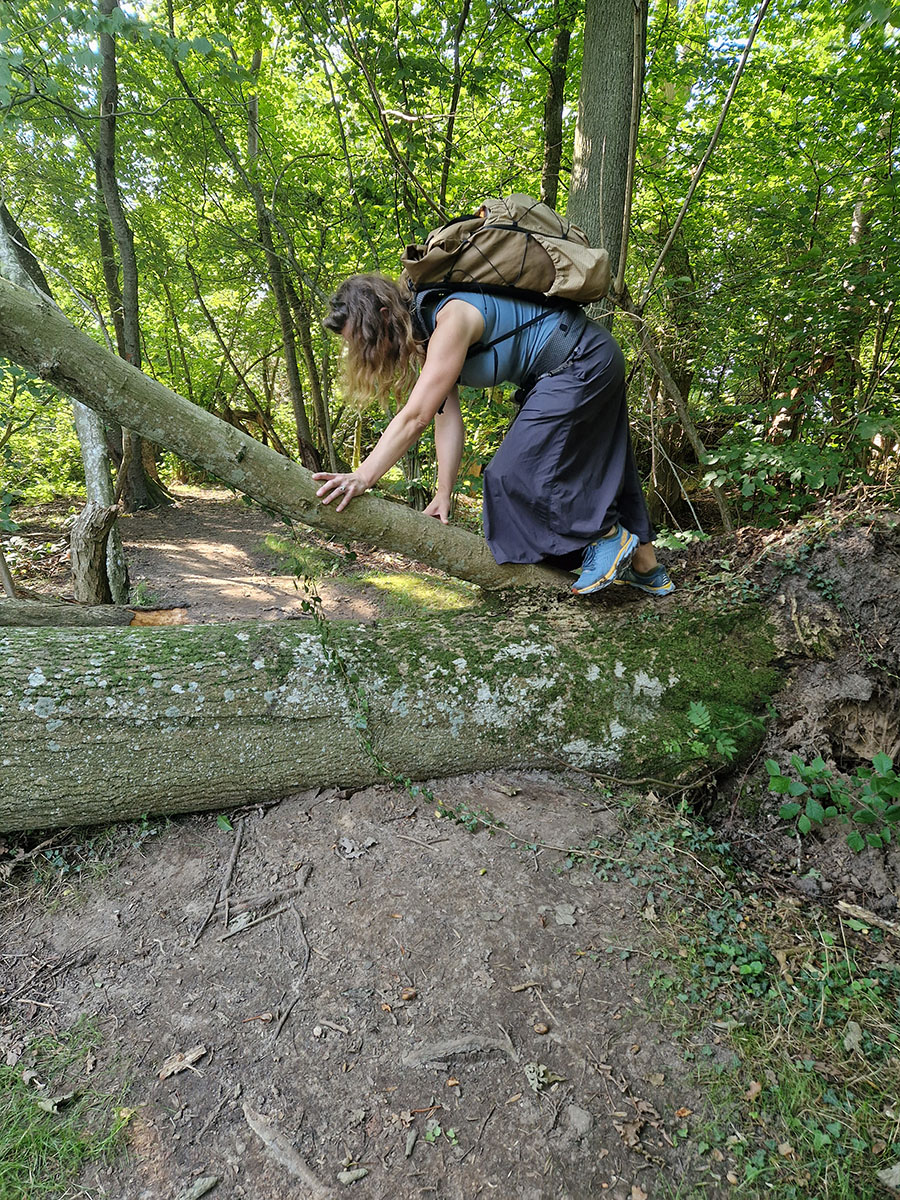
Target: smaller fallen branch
221, 896
278, 1146
34, 614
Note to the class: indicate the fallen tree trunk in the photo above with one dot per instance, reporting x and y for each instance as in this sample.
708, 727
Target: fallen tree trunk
35, 334
37, 613
106, 724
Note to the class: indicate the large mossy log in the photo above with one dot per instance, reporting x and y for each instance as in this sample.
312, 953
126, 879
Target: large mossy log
105, 724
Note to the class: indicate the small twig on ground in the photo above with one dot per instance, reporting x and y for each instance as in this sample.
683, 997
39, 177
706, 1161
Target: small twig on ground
261, 899
868, 918
303, 939
211, 1118
78, 959
648, 779
301, 971
284, 1017
23, 857
406, 837
225, 884
256, 921
479, 1134
335, 1027
523, 987
284, 1153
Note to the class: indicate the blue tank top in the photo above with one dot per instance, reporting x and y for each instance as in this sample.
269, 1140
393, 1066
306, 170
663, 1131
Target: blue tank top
511, 360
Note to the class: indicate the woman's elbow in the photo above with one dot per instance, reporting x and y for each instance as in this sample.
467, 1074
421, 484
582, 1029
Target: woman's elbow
417, 422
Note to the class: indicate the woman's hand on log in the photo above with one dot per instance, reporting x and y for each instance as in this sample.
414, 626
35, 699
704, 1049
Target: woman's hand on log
439, 508
340, 487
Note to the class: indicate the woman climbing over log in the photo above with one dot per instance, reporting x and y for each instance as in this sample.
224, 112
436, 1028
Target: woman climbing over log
563, 488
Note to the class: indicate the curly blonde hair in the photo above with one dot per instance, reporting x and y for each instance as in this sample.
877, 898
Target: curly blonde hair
382, 354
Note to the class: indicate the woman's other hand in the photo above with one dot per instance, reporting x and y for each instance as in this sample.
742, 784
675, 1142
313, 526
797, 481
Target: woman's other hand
340, 487
440, 508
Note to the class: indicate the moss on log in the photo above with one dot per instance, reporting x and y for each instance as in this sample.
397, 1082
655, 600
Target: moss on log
106, 724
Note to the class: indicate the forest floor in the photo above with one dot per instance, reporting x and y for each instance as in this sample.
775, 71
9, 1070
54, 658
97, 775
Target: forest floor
520, 985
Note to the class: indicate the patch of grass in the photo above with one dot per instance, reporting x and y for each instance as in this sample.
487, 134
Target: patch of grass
411, 592
143, 596
790, 1017
90, 852
303, 560
52, 1121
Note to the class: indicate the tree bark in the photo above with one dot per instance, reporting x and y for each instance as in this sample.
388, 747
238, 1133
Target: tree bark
108, 724
28, 614
454, 102
597, 196
140, 491
300, 310
88, 547
17, 262
37, 335
6, 579
553, 112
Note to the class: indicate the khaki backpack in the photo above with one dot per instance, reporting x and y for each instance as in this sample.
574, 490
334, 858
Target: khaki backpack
516, 244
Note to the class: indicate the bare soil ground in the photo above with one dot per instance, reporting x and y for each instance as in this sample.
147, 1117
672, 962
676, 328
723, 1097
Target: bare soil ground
406, 975
366, 998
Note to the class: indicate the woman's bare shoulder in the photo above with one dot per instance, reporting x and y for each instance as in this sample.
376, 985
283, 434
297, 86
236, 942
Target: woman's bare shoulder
462, 317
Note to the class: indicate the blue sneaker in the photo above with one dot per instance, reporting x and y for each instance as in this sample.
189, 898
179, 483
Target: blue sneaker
604, 559
654, 583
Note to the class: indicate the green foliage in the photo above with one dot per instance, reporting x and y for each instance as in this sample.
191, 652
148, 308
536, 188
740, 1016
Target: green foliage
870, 799
298, 557
473, 820
434, 1132
39, 454
776, 308
710, 739
776, 480
801, 1070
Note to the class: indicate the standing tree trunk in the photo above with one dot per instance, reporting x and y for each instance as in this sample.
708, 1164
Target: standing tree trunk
140, 491
553, 112
6, 579
600, 172
454, 101
300, 310
96, 542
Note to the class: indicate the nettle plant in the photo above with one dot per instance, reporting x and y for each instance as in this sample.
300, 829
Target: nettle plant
870, 798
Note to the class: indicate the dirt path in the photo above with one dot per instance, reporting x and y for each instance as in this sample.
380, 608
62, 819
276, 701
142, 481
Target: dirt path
208, 552
423, 977
454, 1013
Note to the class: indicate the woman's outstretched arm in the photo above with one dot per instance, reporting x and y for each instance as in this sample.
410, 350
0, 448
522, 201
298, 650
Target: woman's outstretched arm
458, 326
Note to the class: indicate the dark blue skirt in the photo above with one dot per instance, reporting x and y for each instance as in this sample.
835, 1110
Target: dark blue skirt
565, 472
